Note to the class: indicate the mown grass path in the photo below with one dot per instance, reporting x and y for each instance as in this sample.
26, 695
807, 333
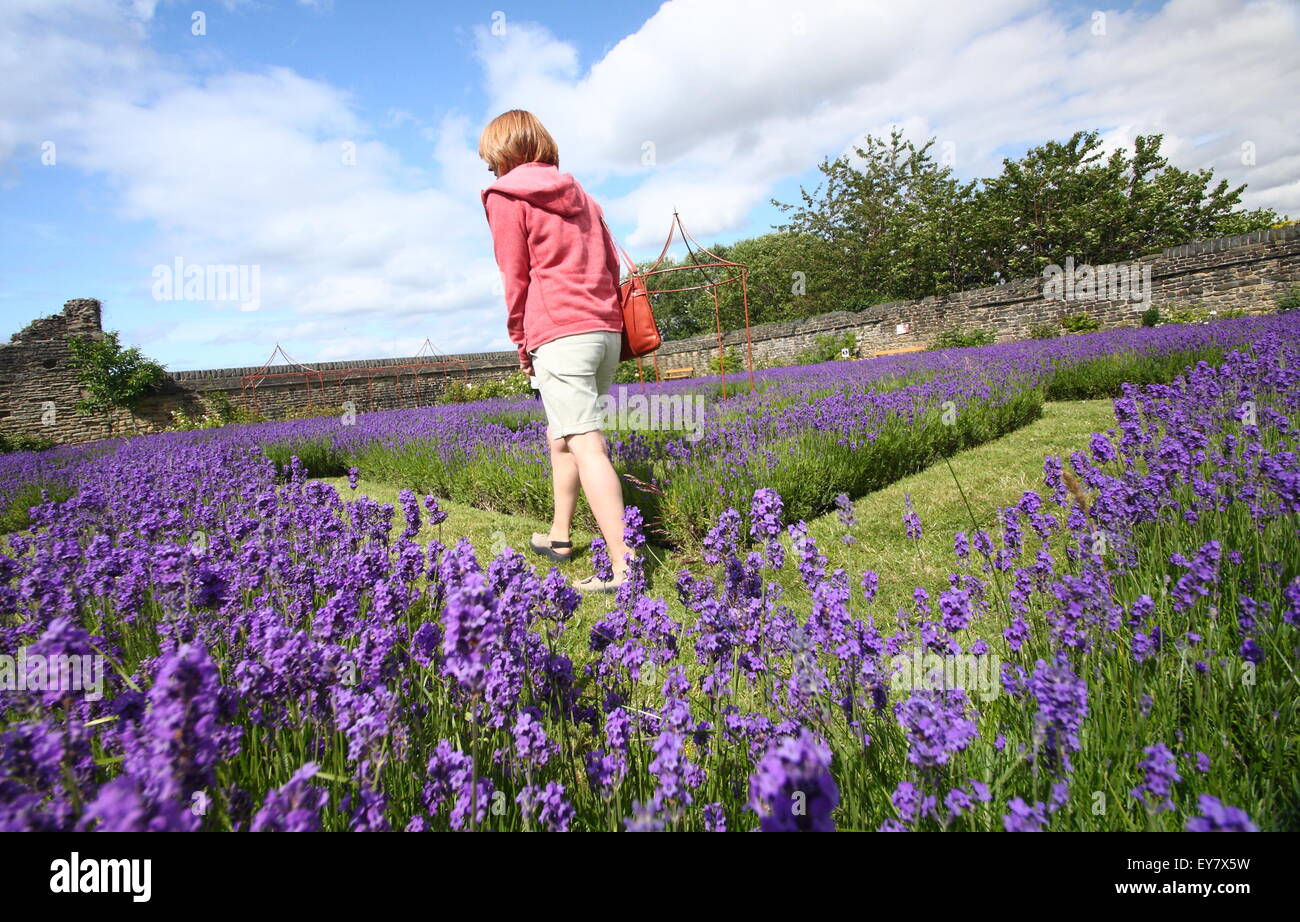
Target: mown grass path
993, 475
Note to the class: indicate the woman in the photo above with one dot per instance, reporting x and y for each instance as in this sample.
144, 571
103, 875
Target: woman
561, 272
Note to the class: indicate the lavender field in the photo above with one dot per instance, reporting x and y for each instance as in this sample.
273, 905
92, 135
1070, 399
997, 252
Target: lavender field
1116, 651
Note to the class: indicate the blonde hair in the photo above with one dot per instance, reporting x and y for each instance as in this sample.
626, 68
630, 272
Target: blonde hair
516, 137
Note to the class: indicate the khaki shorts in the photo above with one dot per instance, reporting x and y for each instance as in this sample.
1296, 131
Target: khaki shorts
572, 373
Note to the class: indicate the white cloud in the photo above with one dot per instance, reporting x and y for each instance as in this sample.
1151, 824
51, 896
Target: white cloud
735, 99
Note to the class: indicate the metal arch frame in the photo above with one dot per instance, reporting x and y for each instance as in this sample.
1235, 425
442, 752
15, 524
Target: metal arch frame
740, 271
428, 359
249, 383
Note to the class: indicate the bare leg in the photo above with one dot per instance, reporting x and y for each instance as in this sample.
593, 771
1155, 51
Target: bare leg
604, 492
564, 473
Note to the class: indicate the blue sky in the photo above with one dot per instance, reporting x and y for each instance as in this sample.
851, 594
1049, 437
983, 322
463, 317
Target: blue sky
230, 147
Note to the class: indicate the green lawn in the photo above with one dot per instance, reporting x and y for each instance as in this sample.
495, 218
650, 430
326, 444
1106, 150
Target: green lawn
993, 475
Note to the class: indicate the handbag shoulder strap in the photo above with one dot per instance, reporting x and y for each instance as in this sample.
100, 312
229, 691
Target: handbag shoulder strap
631, 265
617, 246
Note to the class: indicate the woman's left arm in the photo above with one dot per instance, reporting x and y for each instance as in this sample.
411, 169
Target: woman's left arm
510, 242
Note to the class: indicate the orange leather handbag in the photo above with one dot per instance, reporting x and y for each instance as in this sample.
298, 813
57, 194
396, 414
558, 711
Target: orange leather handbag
640, 332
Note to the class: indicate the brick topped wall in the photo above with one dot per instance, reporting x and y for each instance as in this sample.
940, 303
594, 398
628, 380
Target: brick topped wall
1249, 272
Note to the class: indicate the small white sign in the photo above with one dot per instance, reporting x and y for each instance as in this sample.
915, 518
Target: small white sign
902, 328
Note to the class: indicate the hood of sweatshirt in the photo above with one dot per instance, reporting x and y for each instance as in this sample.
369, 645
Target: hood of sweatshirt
542, 186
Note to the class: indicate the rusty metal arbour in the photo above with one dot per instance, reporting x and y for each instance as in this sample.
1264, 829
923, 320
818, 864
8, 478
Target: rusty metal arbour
249, 383
427, 362
738, 272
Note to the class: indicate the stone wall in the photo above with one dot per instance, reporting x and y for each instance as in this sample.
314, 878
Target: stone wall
38, 385
1249, 272
372, 384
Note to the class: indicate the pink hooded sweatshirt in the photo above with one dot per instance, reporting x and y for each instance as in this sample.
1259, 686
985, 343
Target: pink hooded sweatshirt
558, 264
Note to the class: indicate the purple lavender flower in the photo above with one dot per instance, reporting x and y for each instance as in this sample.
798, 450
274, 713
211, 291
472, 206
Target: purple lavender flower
473, 632
937, 727
1291, 594
911, 521
766, 511
1024, 818
958, 801
955, 604
669, 767
411, 511
605, 771
792, 789
532, 745
175, 750
647, 817
547, 805
715, 819
600, 559
1062, 706
1219, 817
633, 527
870, 584
722, 539
844, 507
907, 801
766, 514
437, 515
812, 563
1161, 774
1016, 633
448, 781
293, 807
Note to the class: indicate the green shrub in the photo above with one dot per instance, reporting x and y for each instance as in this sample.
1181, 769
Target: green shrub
827, 348
1289, 301
1201, 314
217, 411
1151, 317
228, 413
1044, 331
460, 391
960, 339
731, 362
314, 412
627, 372
1080, 323
24, 443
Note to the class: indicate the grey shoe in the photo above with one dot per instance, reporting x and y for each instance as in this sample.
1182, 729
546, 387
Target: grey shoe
542, 544
594, 583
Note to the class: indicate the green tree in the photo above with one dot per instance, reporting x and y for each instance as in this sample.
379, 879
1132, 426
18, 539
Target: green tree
113, 377
891, 222
1067, 199
894, 224
787, 280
